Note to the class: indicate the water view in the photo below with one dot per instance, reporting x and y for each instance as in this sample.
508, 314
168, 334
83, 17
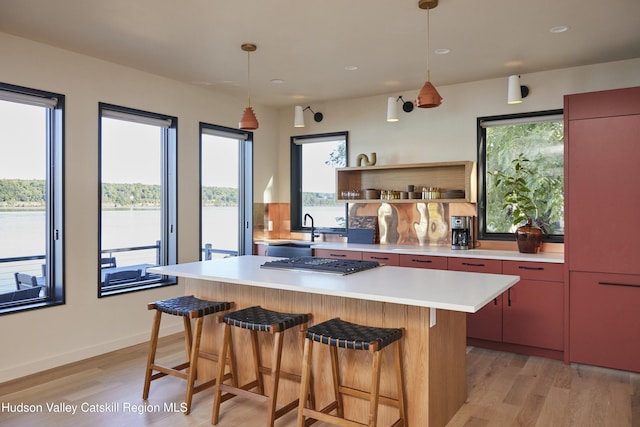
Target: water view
23, 235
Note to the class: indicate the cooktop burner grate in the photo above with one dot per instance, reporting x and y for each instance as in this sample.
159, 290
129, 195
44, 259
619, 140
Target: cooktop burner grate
322, 265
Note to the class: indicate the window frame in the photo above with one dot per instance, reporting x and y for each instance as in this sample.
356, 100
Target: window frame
296, 183
169, 199
54, 209
245, 181
482, 172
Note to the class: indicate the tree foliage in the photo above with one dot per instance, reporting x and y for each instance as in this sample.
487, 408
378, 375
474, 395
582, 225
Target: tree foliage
22, 193
525, 176
15, 193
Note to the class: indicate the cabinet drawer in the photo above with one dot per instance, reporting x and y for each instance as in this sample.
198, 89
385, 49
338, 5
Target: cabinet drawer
534, 270
381, 257
339, 254
423, 261
476, 265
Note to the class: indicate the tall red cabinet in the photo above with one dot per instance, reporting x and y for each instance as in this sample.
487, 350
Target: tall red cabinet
602, 239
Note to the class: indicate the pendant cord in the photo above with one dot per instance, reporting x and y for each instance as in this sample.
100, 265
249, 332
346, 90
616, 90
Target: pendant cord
428, 44
249, 78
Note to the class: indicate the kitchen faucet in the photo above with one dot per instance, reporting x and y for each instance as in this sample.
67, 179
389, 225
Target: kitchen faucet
313, 228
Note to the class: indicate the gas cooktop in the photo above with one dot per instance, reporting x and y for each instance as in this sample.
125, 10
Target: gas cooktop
321, 265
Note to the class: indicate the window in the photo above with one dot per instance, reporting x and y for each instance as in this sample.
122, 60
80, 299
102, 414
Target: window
226, 194
137, 211
31, 199
521, 174
314, 159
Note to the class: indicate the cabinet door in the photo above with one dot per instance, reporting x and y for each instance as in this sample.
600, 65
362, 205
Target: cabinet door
603, 195
604, 322
381, 257
339, 254
486, 323
532, 314
533, 309
605, 103
423, 261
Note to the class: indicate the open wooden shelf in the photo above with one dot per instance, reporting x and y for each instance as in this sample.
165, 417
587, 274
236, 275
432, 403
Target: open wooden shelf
460, 175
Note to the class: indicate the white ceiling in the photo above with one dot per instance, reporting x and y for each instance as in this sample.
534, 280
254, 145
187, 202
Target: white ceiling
308, 43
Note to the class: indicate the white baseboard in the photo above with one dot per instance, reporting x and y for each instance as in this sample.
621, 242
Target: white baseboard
75, 355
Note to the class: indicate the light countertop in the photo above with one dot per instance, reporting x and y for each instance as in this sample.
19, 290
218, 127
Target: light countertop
442, 289
550, 257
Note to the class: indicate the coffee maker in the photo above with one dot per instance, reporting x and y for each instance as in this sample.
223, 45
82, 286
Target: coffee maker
461, 232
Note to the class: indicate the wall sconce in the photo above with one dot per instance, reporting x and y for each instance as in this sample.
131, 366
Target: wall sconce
392, 108
298, 119
516, 92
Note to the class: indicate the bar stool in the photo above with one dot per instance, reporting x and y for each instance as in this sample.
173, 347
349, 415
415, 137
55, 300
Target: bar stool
189, 307
257, 319
339, 333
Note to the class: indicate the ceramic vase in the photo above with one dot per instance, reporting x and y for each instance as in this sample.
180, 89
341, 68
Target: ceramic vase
529, 238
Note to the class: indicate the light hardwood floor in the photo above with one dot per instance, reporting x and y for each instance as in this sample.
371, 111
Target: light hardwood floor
504, 389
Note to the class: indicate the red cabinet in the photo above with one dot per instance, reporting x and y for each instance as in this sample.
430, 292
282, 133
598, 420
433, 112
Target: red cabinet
604, 194
338, 254
604, 320
486, 323
423, 261
381, 257
602, 199
533, 309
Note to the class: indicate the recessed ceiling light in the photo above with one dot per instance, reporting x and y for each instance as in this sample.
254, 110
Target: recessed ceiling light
277, 81
351, 67
559, 29
442, 51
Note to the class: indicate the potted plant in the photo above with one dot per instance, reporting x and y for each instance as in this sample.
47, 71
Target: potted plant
520, 203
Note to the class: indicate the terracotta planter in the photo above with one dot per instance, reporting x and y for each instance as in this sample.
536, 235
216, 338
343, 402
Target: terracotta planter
529, 238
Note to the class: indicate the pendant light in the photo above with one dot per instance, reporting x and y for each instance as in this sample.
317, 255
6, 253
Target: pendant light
428, 96
248, 120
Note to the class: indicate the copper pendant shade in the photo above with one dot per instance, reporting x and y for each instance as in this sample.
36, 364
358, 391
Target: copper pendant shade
428, 96
248, 120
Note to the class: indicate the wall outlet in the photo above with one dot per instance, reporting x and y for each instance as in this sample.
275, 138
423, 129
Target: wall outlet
269, 225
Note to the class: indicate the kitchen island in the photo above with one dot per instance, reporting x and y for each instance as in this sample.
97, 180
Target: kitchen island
429, 304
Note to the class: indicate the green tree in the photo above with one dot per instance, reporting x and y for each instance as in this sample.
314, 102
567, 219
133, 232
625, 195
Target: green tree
533, 153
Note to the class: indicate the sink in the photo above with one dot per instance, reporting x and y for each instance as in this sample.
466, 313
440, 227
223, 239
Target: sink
289, 249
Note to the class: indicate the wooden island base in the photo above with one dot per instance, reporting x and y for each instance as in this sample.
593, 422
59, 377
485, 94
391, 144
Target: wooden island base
434, 357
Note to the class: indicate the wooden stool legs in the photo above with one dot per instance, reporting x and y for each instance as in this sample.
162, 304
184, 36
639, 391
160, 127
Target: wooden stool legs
274, 376
266, 322
308, 414
188, 307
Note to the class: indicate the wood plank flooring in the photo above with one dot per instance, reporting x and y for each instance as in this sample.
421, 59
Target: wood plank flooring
504, 389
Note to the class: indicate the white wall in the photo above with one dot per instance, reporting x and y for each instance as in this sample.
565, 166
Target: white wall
86, 326
447, 132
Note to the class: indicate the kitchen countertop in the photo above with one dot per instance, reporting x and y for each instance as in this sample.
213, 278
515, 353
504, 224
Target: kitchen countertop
550, 257
443, 289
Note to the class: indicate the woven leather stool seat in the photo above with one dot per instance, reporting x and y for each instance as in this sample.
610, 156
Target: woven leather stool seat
263, 320
258, 320
337, 333
188, 307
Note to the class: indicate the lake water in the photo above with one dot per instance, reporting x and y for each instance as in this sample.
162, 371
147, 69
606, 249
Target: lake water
22, 233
